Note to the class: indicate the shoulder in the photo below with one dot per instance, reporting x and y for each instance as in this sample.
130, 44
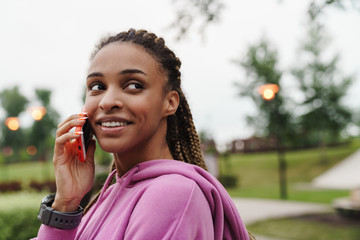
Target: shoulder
170, 189
169, 204
174, 178
173, 196
172, 182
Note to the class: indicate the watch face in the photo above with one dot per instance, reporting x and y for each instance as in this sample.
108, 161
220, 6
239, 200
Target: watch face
48, 199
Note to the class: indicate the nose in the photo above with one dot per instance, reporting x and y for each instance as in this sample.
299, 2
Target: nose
111, 100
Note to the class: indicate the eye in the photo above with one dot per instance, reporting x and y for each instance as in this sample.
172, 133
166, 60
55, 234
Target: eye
134, 86
96, 86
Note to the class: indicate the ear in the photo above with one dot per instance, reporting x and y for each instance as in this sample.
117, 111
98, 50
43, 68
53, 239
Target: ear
172, 101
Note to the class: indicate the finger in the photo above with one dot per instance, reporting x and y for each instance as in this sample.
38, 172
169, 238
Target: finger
63, 139
67, 126
72, 117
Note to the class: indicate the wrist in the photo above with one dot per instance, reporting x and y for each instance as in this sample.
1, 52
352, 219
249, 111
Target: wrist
65, 205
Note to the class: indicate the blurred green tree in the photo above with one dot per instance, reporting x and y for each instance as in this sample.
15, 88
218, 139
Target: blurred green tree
13, 103
323, 114
193, 15
272, 120
42, 132
319, 6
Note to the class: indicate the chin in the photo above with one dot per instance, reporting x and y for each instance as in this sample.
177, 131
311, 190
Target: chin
112, 146
108, 148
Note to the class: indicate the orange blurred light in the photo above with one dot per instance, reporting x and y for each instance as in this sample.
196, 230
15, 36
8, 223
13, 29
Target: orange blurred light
8, 151
268, 91
38, 113
12, 123
268, 94
31, 150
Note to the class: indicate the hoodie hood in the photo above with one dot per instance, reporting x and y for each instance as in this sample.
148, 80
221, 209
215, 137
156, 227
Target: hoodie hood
226, 218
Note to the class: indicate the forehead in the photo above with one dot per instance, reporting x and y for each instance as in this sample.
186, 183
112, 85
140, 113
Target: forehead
123, 55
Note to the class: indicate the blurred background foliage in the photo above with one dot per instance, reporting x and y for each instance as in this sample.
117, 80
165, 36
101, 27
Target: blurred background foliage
317, 122
319, 119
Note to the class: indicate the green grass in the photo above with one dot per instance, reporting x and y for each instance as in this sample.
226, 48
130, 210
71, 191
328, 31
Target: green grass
297, 229
19, 224
21, 200
26, 172
258, 173
18, 215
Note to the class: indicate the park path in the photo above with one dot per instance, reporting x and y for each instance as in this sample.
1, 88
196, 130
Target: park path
344, 175
253, 210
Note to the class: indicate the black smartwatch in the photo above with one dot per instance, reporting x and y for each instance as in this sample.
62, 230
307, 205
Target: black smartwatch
63, 220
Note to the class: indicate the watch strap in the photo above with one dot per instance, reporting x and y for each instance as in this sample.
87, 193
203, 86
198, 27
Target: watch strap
63, 220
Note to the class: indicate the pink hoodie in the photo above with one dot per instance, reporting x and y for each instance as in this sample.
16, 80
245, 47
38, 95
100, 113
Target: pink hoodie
159, 199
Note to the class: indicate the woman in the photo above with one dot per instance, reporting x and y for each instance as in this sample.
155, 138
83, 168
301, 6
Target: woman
139, 113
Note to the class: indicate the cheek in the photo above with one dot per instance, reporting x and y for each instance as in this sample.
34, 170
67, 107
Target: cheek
90, 105
148, 106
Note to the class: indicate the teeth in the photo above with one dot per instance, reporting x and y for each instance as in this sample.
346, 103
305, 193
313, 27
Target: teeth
113, 124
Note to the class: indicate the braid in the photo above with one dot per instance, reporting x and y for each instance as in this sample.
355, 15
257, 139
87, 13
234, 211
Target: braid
182, 138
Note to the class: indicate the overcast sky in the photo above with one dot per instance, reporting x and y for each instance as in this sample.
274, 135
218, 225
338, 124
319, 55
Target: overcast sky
47, 44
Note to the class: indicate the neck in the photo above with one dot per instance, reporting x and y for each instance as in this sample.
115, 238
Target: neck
125, 161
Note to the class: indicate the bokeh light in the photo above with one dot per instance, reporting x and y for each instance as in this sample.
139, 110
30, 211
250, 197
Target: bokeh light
12, 123
37, 113
268, 91
31, 150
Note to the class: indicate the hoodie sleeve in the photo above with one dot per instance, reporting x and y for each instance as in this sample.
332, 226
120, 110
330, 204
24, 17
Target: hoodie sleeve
171, 207
46, 232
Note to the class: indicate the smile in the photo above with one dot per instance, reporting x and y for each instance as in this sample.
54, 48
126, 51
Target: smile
113, 124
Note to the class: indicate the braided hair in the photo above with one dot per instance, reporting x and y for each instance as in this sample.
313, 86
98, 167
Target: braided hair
181, 137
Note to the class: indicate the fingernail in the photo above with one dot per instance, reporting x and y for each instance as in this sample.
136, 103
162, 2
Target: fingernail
78, 133
82, 118
83, 114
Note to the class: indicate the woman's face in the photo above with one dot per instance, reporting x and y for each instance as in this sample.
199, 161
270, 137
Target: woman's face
125, 101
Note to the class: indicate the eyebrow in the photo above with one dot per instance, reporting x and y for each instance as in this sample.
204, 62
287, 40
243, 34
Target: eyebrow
126, 71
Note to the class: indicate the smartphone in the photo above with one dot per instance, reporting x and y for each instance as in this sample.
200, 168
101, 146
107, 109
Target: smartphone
82, 143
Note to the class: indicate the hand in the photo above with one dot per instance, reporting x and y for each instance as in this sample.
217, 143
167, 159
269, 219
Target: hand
73, 178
